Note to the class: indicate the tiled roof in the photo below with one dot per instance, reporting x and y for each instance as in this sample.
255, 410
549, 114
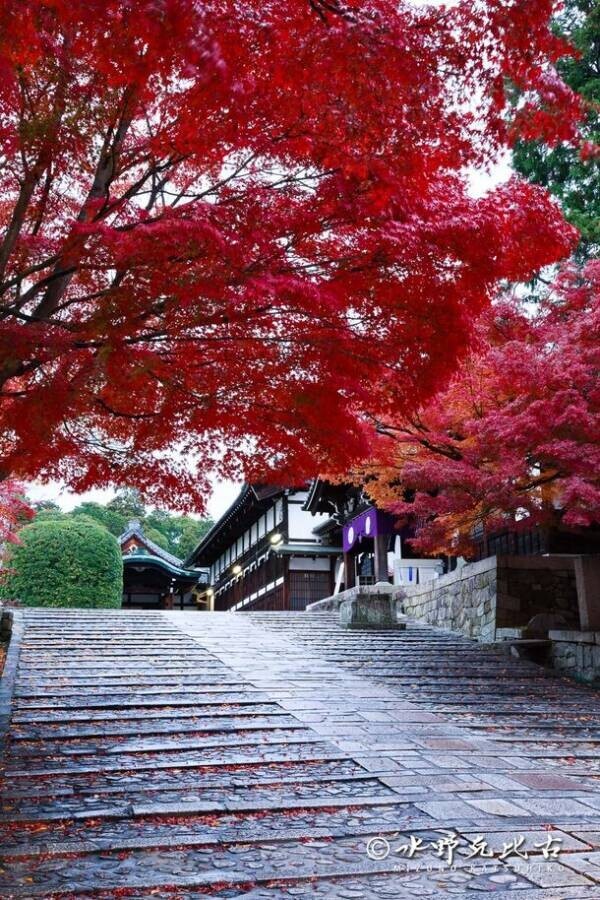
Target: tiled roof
135, 530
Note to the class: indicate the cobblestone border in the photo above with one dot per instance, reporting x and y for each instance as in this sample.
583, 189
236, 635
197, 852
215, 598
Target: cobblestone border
7, 681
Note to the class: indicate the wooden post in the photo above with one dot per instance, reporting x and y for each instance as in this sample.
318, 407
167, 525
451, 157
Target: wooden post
349, 574
587, 578
286, 583
381, 561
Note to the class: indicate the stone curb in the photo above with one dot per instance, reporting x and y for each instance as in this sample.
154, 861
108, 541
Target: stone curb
7, 682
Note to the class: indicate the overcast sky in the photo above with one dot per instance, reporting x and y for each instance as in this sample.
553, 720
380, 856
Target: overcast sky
223, 495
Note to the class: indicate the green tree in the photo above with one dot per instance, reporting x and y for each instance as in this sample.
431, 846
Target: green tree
128, 503
47, 513
159, 521
46, 506
66, 562
573, 180
157, 536
182, 533
111, 519
192, 532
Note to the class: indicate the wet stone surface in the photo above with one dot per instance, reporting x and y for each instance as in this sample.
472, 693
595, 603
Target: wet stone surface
186, 754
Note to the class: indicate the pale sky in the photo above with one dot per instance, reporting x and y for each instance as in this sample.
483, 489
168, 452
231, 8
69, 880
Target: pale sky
224, 494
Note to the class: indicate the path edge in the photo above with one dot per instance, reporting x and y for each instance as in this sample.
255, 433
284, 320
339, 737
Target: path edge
9, 675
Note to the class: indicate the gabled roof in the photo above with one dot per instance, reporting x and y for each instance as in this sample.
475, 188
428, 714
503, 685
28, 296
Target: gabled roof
135, 530
145, 560
250, 497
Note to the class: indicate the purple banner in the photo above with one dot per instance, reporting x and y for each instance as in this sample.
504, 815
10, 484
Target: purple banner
368, 524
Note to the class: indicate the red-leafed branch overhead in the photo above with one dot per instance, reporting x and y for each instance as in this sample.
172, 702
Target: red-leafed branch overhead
513, 441
234, 229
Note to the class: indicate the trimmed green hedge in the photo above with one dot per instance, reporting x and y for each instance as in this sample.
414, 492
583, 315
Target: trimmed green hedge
65, 562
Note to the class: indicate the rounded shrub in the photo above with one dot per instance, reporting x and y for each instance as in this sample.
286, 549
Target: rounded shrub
64, 562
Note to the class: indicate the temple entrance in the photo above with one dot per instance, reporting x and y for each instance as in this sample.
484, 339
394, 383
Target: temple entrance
308, 587
367, 540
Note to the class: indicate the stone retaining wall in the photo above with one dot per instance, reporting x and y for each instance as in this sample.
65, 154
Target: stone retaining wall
463, 600
501, 592
577, 654
498, 592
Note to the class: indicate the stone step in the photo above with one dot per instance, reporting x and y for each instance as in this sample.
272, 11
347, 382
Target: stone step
172, 776
80, 698
253, 719
162, 702
108, 661
82, 675
215, 708
113, 679
253, 733
193, 803
296, 749
195, 867
155, 784
82, 837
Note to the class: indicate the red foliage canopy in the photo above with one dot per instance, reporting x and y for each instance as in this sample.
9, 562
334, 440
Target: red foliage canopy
513, 440
231, 230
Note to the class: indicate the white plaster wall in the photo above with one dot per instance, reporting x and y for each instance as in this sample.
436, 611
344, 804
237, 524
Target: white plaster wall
306, 564
301, 522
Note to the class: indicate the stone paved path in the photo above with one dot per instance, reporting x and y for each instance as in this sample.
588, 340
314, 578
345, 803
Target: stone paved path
178, 755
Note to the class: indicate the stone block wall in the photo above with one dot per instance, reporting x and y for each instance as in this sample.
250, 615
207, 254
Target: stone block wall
463, 600
577, 654
530, 585
498, 592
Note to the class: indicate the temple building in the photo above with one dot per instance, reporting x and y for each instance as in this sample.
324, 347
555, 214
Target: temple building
266, 552
281, 549
363, 532
374, 547
154, 578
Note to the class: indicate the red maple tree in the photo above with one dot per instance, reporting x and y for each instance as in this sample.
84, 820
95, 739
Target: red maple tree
231, 230
14, 510
512, 441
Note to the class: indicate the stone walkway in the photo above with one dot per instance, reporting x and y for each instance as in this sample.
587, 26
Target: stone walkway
177, 755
